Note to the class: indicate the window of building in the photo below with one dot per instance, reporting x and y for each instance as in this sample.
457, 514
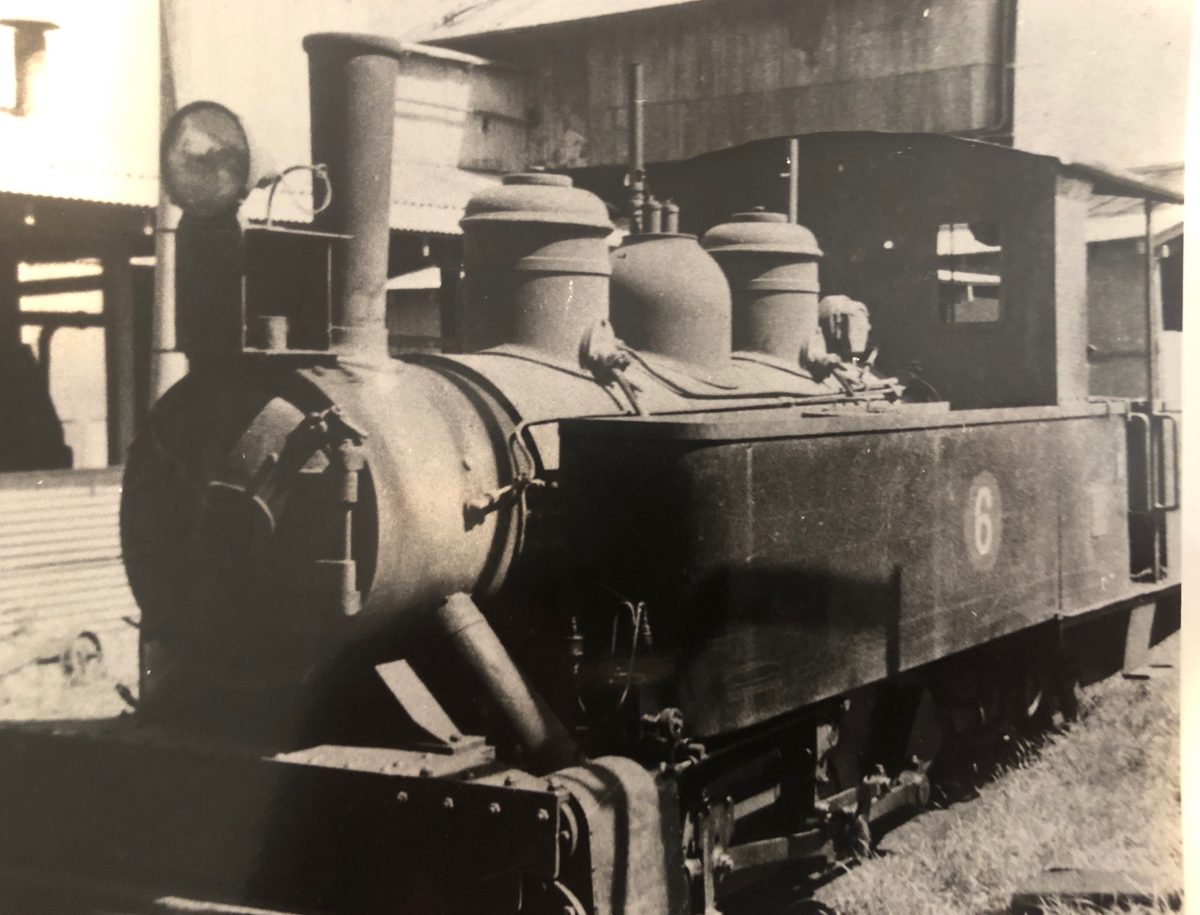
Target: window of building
969, 273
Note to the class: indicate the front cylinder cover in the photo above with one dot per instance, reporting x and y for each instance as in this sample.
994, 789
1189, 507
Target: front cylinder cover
772, 266
536, 265
671, 299
265, 544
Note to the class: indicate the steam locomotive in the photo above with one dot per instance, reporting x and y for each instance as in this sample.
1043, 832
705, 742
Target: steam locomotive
664, 581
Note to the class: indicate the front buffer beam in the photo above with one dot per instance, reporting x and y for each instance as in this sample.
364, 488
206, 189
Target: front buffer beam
209, 824
117, 815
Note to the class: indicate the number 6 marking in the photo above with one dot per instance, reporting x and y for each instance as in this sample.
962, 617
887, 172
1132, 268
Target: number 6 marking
983, 521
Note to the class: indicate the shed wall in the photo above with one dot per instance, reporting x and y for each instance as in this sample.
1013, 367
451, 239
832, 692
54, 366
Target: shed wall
719, 73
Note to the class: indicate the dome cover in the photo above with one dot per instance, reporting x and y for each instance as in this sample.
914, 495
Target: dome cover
758, 231
539, 197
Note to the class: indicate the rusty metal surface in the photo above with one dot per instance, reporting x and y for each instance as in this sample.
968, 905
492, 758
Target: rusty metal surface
352, 82
710, 426
535, 265
543, 739
771, 266
762, 559
634, 837
538, 197
470, 756
759, 232
670, 298
260, 619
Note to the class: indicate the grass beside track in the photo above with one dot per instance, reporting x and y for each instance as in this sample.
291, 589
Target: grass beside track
1104, 795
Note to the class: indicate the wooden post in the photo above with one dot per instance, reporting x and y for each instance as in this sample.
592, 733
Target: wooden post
118, 353
794, 180
10, 302
167, 364
1153, 312
449, 261
1154, 323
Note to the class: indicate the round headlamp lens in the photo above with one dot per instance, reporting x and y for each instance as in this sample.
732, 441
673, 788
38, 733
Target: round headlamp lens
205, 159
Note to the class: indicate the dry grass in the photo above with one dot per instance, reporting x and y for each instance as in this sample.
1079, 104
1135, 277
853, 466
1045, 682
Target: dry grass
1104, 796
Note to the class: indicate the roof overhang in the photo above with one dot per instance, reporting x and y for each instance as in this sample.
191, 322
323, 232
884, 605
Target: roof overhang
1105, 181
1114, 183
478, 19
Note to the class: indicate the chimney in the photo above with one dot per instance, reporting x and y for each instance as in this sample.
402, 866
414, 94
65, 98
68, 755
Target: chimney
352, 80
29, 55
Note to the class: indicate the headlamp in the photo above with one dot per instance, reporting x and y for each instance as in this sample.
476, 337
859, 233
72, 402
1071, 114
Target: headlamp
205, 159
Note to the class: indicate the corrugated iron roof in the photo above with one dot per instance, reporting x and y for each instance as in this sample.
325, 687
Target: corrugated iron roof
1111, 218
473, 18
1167, 176
427, 199
64, 182
1119, 183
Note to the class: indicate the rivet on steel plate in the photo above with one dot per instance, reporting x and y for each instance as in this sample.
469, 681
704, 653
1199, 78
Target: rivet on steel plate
493, 808
402, 797
543, 815
447, 803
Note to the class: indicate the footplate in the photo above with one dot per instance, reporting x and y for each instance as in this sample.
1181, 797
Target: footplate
212, 824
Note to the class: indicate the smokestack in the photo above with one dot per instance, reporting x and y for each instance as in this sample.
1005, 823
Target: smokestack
29, 54
352, 84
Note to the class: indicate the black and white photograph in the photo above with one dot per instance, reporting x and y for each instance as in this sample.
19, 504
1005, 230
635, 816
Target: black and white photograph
595, 457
